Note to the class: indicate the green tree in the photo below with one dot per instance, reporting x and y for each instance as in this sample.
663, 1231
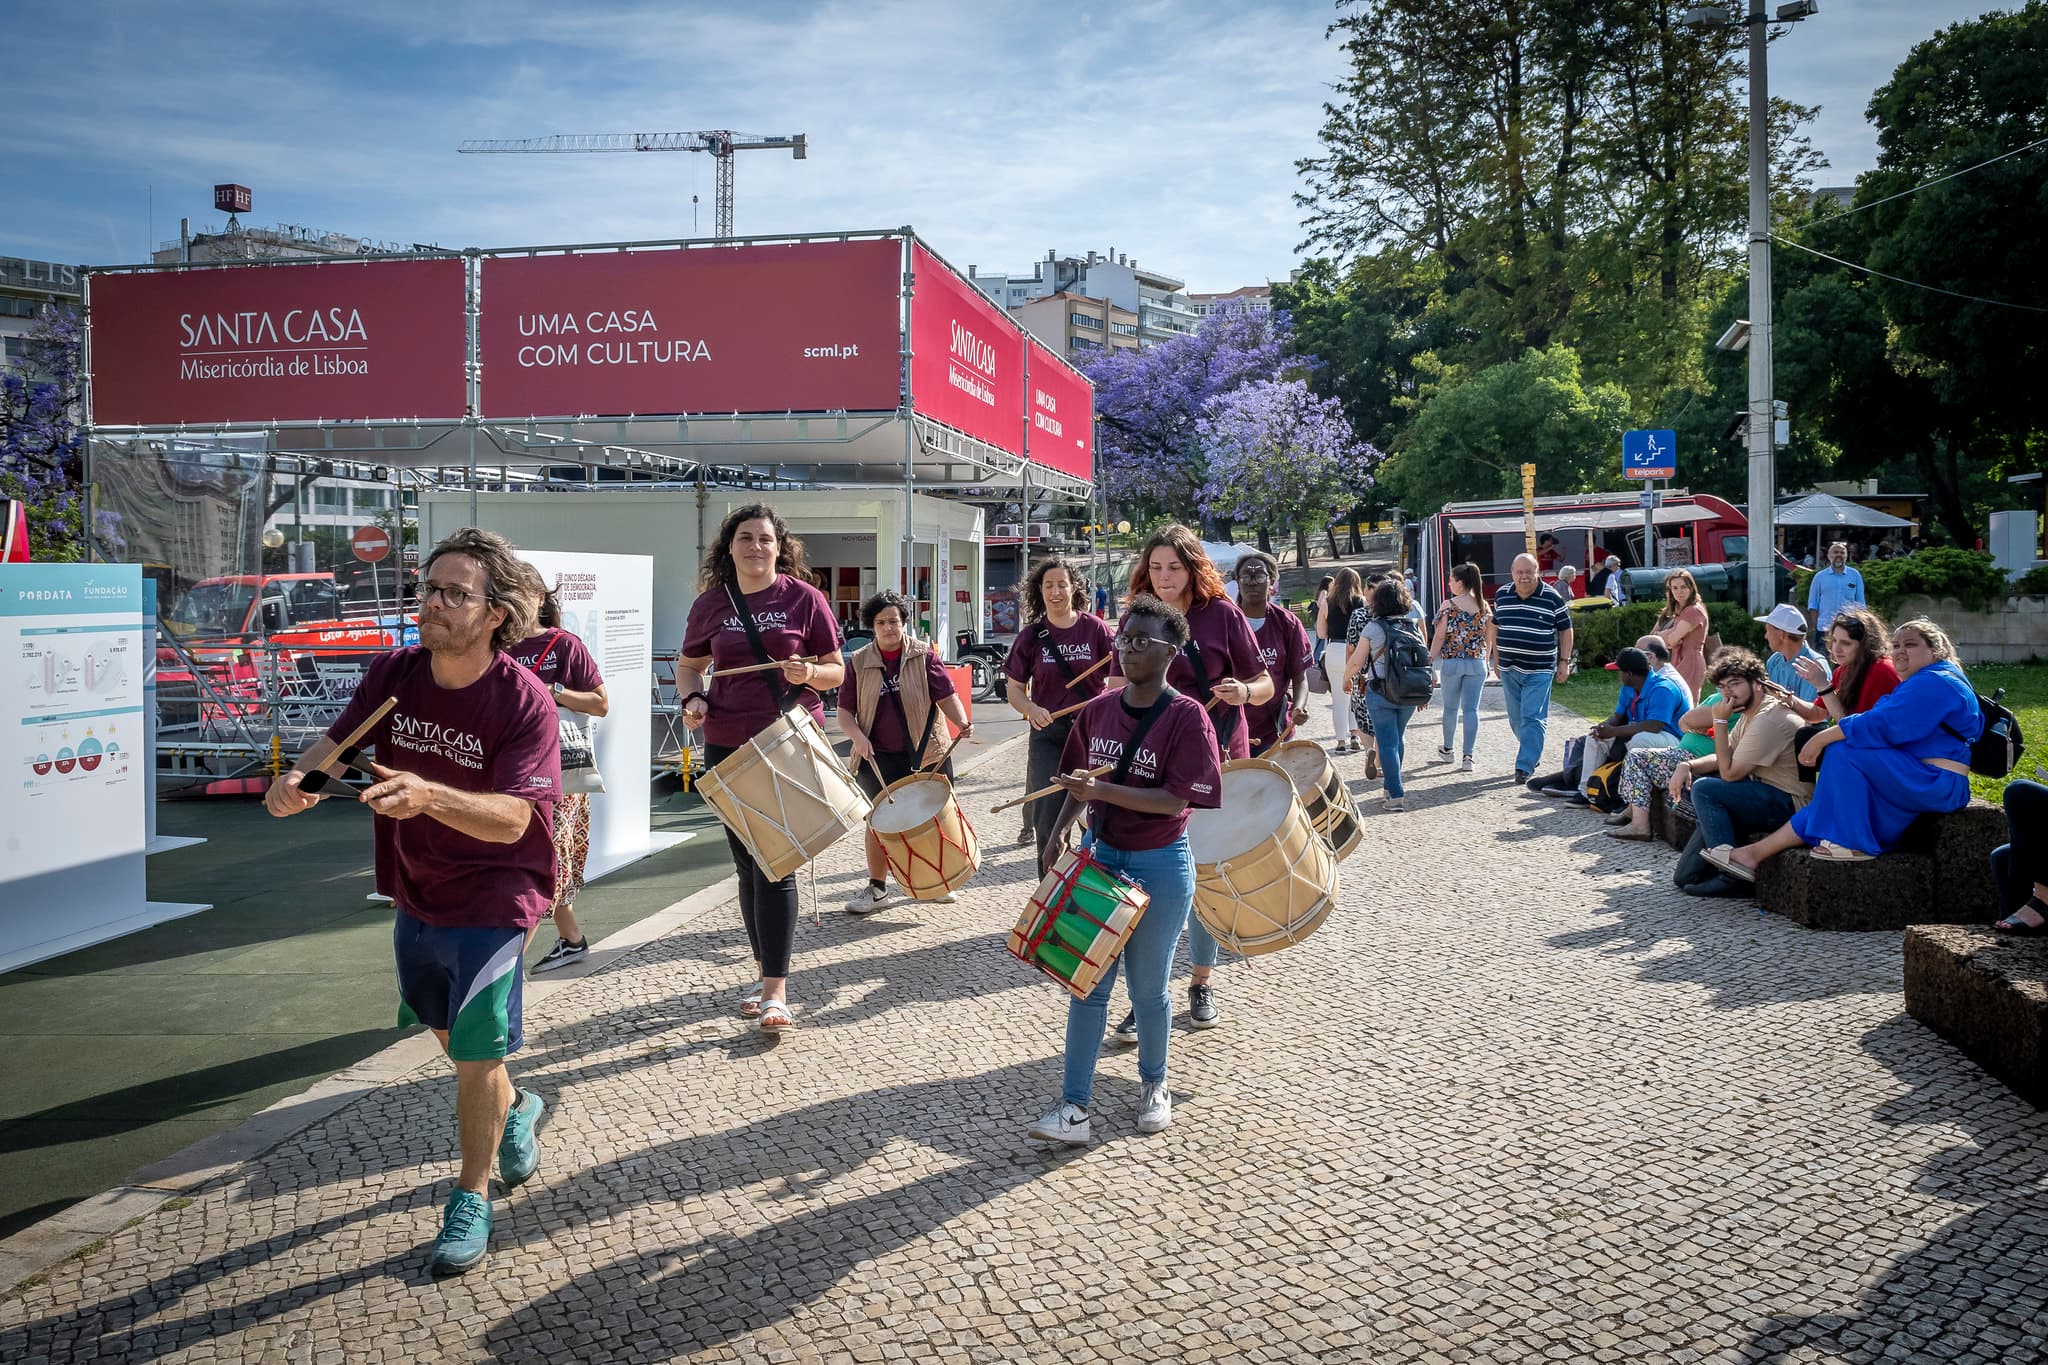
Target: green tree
1471, 438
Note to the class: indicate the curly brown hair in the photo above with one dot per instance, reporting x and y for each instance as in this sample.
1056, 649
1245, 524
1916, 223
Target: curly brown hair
1873, 642
718, 570
1205, 584
1737, 662
509, 581
1034, 587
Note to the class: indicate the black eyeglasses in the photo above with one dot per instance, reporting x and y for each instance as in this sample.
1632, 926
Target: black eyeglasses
1128, 643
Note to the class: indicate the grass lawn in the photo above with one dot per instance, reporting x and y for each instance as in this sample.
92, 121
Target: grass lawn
1591, 694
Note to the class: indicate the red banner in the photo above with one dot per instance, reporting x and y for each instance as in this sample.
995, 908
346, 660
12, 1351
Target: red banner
1062, 408
967, 369
808, 327
343, 341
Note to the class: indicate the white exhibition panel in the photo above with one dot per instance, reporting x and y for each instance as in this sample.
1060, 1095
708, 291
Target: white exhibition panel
74, 805
607, 604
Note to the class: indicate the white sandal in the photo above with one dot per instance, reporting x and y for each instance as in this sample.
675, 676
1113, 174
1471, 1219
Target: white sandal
775, 1017
750, 1003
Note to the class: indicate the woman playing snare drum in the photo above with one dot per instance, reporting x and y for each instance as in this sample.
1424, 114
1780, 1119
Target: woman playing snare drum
894, 687
1162, 750
757, 561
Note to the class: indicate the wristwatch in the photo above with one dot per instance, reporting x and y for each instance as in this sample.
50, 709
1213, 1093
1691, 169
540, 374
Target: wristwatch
555, 690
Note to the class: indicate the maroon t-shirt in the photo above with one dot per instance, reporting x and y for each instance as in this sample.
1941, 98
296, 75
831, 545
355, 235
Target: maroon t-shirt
1178, 753
1283, 644
887, 732
1082, 645
794, 620
498, 734
556, 656
1219, 629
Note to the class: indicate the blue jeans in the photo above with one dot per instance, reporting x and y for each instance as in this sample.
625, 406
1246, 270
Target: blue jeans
1389, 730
1527, 693
1168, 877
1464, 680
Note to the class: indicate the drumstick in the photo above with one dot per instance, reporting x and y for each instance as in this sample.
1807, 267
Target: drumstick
1065, 711
877, 769
763, 668
317, 778
1102, 771
1090, 669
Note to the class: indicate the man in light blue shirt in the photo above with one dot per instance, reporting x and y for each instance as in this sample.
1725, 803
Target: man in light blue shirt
1834, 587
1785, 629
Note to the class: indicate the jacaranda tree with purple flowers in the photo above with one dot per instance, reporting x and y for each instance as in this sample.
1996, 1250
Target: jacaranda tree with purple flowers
42, 458
1280, 458
1150, 403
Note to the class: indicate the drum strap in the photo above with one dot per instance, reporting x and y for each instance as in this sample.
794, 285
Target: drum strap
776, 684
1151, 713
1045, 642
1226, 724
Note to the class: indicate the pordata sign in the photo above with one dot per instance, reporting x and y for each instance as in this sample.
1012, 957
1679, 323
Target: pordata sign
342, 342
804, 327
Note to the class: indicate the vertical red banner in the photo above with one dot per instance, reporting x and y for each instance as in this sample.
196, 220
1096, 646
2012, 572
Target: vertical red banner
967, 367
1061, 406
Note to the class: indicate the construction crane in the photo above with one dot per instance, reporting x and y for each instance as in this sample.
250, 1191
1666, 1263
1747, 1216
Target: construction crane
721, 143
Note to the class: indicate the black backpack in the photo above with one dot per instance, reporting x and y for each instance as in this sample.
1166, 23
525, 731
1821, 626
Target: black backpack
1404, 665
1996, 750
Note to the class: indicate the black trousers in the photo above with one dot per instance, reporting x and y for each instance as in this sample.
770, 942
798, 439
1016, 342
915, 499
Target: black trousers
768, 908
2024, 861
1041, 764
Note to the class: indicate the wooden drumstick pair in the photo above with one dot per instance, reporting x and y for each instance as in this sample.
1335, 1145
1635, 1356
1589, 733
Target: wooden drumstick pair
1066, 711
348, 754
763, 668
1104, 771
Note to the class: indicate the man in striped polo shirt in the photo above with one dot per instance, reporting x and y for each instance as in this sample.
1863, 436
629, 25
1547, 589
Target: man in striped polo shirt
1532, 650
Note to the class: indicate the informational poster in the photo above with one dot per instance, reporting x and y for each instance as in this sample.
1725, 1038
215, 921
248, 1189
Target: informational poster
73, 814
607, 602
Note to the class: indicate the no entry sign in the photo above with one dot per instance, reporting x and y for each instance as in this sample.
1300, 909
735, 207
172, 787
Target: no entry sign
370, 543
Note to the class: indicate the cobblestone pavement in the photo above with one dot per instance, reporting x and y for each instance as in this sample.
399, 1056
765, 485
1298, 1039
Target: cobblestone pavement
1516, 1101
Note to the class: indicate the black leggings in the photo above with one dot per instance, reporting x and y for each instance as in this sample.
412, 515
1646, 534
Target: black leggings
768, 908
1042, 761
2023, 862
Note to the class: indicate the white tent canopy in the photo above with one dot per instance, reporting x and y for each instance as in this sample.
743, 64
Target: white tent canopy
1825, 509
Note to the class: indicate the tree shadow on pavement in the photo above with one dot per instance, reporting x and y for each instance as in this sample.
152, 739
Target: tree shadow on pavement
1977, 1289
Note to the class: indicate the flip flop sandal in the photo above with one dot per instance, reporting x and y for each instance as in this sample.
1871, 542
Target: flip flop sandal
1723, 857
1835, 853
2014, 927
775, 1017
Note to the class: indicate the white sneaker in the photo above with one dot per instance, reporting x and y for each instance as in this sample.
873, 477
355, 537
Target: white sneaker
869, 899
1397, 803
945, 898
1155, 1108
379, 898
1067, 1124
1465, 764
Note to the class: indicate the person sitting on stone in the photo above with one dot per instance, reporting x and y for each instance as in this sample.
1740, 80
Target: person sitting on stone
1863, 674
1785, 632
1644, 770
1660, 656
1905, 757
2021, 867
1646, 715
1750, 783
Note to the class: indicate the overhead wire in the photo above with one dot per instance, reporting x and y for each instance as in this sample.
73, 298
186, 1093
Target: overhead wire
1833, 218
1911, 284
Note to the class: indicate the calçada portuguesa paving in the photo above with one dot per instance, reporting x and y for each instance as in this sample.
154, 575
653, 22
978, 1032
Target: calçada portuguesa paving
1517, 1100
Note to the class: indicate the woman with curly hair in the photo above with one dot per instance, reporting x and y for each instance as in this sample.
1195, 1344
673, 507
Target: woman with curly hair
1862, 653
755, 570
1220, 666
1059, 642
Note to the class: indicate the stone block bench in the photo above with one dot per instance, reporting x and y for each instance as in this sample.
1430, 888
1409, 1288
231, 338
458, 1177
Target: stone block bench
1939, 874
1988, 994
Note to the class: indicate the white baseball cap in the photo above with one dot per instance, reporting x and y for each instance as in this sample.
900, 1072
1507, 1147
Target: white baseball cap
1785, 617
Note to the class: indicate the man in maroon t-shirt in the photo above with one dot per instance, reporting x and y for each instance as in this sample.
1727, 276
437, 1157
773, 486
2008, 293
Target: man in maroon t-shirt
468, 775
1283, 644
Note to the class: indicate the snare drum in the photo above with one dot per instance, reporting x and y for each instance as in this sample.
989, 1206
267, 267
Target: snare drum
924, 836
1264, 878
1323, 794
1078, 921
784, 794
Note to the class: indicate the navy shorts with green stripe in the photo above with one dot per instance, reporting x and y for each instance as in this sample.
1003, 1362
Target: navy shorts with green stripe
464, 979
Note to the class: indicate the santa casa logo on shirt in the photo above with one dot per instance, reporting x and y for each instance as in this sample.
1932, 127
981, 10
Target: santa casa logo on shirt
431, 737
1073, 654
1271, 654
763, 620
1101, 751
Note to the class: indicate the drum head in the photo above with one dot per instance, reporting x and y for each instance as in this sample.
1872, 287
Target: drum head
1305, 762
1256, 798
909, 803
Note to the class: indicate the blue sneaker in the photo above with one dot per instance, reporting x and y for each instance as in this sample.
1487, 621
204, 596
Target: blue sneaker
519, 1150
465, 1233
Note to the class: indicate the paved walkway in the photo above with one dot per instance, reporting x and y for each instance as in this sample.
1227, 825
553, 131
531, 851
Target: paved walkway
1516, 1101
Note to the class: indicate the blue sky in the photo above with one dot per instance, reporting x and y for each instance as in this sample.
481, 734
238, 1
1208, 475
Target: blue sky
1165, 130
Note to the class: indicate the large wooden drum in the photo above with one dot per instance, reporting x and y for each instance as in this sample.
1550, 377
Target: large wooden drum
924, 836
785, 794
1323, 794
1264, 878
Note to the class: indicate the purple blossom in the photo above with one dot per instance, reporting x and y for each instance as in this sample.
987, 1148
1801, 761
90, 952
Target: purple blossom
41, 451
1277, 456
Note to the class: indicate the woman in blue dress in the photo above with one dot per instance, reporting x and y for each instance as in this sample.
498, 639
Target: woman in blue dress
1905, 757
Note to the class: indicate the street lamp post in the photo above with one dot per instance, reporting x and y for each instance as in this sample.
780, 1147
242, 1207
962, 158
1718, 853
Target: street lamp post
1763, 454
